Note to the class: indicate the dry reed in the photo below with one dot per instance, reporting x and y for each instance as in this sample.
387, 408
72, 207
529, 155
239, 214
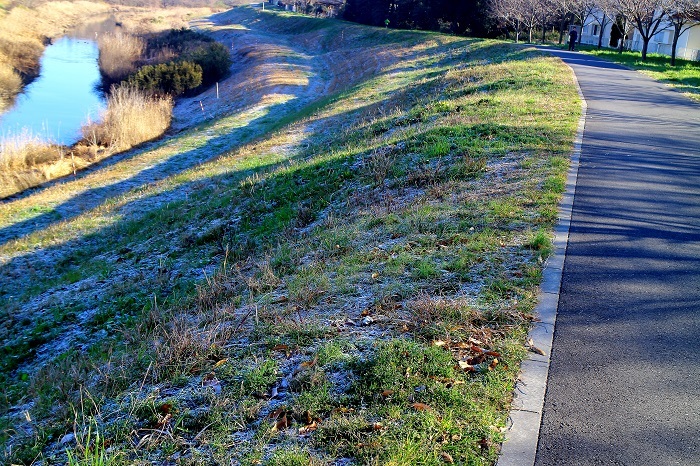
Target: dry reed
119, 53
131, 118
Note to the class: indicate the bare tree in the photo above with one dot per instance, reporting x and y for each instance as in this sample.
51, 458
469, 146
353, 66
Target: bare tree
683, 15
507, 11
647, 16
604, 14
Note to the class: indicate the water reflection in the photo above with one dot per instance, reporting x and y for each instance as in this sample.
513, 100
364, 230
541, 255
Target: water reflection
56, 104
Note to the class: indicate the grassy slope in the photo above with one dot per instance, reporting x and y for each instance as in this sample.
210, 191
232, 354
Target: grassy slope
417, 201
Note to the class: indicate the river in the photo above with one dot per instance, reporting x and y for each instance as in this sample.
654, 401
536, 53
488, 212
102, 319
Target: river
56, 104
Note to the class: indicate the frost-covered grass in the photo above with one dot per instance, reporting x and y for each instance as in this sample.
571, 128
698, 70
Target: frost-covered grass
354, 279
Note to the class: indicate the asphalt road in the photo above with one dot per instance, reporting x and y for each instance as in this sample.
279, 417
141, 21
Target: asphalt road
624, 380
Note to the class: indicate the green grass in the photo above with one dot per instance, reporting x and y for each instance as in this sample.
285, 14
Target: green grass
349, 277
684, 76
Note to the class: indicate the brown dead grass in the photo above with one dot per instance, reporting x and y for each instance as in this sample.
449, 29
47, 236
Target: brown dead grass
119, 53
131, 118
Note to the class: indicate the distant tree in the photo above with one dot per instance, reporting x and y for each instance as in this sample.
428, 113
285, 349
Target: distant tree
507, 11
683, 15
647, 16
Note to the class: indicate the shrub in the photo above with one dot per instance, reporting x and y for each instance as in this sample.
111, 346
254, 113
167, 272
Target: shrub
173, 78
178, 40
214, 60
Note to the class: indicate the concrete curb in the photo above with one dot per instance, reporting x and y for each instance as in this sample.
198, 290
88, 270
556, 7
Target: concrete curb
520, 446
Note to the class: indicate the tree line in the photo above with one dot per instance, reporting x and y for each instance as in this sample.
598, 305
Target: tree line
490, 18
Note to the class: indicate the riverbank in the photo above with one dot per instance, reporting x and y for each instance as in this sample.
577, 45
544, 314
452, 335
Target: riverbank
26, 161
323, 269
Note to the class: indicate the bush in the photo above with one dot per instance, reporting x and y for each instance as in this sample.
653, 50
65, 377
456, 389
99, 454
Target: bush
178, 40
173, 78
214, 60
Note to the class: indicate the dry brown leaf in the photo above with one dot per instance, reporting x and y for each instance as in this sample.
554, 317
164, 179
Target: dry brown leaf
364, 313
439, 343
276, 413
387, 393
307, 429
377, 426
447, 457
220, 363
421, 407
280, 347
281, 424
493, 364
307, 364
533, 348
465, 366
375, 275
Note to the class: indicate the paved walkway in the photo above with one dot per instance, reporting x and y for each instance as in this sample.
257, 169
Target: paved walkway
624, 380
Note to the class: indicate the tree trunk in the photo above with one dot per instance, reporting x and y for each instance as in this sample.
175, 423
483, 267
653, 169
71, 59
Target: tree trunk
645, 47
562, 25
623, 33
517, 31
600, 34
544, 29
676, 36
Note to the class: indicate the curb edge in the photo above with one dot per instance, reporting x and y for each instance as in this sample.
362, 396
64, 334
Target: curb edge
520, 446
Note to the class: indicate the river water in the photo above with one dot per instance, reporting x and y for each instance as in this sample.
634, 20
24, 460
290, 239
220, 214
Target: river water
55, 105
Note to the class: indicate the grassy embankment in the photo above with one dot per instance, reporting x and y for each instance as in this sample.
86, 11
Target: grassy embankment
685, 76
130, 117
370, 261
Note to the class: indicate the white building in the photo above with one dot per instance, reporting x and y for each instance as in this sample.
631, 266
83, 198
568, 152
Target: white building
688, 43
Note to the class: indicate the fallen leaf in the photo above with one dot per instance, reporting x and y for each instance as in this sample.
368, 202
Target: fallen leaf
465, 366
493, 353
387, 393
533, 348
280, 347
439, 343
377, 426
421, 407
307, 429
220, 363
364, 313
281, 299
281, 424
493, 364
276, 413
306, 417
163, 422
375, 275
447, 457
165, 408
308, 364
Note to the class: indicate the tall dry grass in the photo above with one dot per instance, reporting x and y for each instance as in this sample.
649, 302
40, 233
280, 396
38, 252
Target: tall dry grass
119, 53
131, 118
26, 161
10, 82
